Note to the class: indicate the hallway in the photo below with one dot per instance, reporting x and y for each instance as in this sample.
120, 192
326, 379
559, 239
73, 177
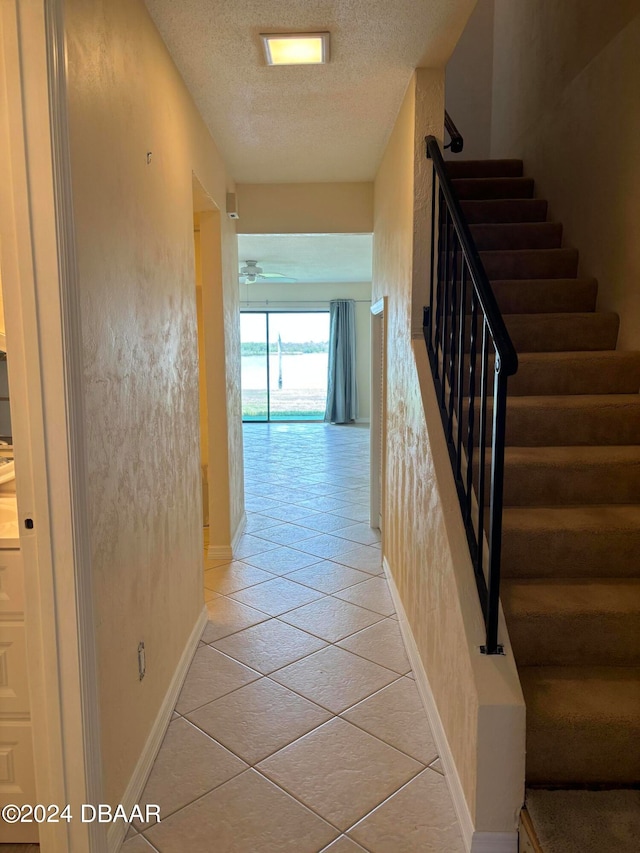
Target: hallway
299, 727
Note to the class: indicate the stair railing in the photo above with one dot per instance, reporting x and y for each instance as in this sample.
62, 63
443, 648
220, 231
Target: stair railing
456, 142
467, 340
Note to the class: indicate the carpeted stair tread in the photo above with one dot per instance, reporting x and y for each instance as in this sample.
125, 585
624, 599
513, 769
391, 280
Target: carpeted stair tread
562, 476
564, 622
604, 372
493, 188
585, 821
583, 725
576, 541
545, 295
517, 235
564, 332
504, 210
484, 168
530, 263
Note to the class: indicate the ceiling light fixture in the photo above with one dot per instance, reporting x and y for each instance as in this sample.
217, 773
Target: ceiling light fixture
296, 48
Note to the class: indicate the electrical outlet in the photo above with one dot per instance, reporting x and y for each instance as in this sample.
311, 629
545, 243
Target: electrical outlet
142, 662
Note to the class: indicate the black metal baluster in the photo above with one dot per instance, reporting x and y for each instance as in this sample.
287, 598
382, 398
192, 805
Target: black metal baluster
460, 380
497, 494
449, 333
453, 344
471, 403
432, 270
482, 442
445, 309
443, 213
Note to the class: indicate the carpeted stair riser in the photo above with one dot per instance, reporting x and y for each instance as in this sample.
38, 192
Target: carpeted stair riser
608, 372
583, 725
521, 235
571, 542
563, 476
543, 374
564, 622
557, 421
492, 188
530, 263
484, 168
545, 295
504, 210
563, 332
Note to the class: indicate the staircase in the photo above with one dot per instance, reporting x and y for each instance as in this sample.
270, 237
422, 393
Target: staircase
571, 543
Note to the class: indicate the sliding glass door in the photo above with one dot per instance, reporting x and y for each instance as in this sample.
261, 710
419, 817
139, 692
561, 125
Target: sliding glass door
284, 365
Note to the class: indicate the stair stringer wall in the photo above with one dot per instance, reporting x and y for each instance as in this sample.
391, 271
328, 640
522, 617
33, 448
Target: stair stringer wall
477, 699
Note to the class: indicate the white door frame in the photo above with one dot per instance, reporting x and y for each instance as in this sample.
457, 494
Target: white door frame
37, 253
377, 462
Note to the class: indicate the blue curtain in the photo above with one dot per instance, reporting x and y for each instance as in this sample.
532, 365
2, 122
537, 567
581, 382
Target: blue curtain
342, 399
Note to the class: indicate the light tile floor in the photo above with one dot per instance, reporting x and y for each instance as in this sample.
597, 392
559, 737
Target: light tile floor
299, 727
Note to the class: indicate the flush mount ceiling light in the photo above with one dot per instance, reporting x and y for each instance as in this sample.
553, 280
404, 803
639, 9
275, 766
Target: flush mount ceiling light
296, 48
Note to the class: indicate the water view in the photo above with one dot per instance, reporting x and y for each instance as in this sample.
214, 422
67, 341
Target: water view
293, 385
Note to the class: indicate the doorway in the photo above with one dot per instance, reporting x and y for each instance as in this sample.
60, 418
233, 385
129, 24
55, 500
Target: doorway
284, 362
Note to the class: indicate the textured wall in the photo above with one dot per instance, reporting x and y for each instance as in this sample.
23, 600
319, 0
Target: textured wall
469, 82
305, 208
134, 224
478, 698
565, 99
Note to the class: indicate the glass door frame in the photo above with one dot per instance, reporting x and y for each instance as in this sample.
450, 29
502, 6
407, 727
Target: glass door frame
266, 312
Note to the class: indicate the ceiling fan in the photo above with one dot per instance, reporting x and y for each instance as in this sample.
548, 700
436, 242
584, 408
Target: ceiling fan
252, 272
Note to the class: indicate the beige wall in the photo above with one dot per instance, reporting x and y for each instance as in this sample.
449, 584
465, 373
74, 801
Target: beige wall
478, 698
329, 208
306, 297
469, 83
565, 98
134, 229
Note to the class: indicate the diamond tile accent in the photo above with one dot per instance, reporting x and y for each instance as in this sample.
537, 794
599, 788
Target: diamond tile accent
259, 719
334, 678
352, 771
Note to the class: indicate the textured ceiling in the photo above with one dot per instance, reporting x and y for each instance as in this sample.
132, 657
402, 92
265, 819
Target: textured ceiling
319, 123
306, 258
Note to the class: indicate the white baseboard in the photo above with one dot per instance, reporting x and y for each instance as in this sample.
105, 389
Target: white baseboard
225, 552
239, 531
138, 780
220, 552
475, 842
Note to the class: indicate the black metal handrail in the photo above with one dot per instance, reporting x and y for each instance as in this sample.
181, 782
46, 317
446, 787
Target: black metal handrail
456, 142
463, 321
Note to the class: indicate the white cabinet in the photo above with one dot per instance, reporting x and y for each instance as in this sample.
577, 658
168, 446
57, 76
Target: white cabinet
17, 782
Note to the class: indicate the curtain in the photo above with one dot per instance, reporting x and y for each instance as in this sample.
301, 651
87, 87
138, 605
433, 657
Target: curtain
341, 391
